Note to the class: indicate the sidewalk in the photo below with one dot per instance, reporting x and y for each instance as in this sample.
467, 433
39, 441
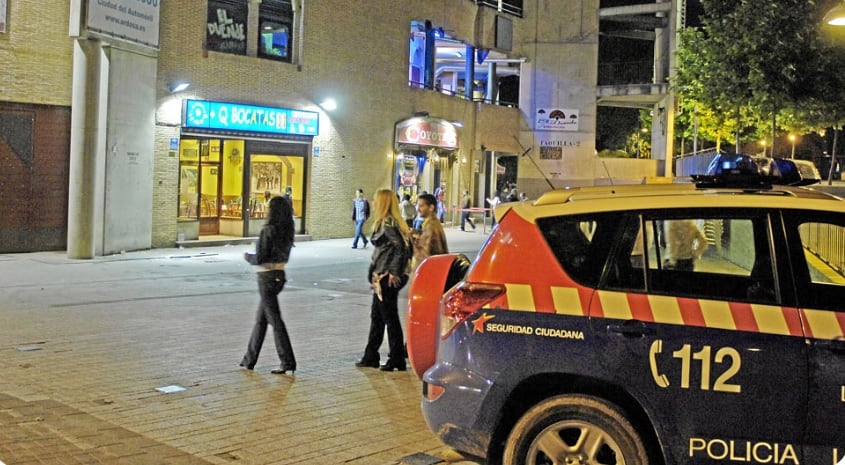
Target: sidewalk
85, 344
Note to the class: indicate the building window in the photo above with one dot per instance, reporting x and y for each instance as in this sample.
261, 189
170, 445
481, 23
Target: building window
513, 7
437, 61
275, 30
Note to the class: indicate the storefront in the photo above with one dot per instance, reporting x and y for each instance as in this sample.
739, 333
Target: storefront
233, 159
426, 149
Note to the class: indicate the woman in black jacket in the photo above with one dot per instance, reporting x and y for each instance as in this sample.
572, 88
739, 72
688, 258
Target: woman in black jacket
388, 273
271, 254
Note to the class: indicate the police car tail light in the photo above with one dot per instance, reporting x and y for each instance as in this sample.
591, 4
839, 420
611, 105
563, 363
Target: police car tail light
463, 301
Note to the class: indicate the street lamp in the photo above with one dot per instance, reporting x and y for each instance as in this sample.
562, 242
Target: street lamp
763, 143
792, 139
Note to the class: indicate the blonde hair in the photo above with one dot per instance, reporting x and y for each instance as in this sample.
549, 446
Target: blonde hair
386, 211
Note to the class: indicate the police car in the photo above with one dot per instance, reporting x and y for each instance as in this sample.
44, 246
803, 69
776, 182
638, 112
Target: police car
641, 324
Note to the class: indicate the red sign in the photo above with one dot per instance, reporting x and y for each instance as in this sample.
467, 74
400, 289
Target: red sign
430, 132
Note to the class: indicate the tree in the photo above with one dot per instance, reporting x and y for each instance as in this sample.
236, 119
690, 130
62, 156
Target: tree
617, 125
761, 63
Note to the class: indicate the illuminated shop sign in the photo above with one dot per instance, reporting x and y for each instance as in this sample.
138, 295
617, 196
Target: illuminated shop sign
431, 132
226, 116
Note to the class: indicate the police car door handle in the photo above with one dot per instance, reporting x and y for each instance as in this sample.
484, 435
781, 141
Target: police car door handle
630, 328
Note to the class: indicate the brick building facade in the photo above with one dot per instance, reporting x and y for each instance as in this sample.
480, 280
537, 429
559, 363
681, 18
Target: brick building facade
355, 52
34, 128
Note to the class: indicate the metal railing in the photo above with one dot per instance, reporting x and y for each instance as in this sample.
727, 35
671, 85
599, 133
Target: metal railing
827, 242
477, 96
694, 163
513, 7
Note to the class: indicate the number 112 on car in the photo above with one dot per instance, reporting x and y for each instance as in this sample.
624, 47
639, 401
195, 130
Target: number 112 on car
725, 363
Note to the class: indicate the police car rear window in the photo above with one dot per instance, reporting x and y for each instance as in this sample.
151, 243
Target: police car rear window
705, 253
581, 243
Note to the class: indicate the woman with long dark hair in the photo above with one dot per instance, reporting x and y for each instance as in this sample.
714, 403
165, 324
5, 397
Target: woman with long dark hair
388, 273
271, 255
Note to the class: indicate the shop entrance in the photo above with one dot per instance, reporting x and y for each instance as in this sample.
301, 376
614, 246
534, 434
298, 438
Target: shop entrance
419, 171
272, 175
426, 150
210, 181
225, 185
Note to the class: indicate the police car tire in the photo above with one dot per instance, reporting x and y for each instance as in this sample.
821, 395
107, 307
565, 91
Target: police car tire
579, 409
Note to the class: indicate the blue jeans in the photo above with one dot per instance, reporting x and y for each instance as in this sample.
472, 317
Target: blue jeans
359, 225
270, 283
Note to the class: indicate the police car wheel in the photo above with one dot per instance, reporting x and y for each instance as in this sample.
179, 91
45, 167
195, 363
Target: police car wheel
574, 430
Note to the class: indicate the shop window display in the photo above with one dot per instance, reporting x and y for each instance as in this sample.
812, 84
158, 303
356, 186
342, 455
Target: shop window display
231, 202
215, 196
211, 184
188, 179
271, 176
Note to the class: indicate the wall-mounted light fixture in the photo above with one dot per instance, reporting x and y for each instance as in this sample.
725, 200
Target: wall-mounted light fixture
179, 86
329, 104
836, 16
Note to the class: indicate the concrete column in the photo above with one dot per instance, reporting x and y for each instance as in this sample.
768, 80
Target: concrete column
663, 121
663, 134
492, 83
83, 156
469, 72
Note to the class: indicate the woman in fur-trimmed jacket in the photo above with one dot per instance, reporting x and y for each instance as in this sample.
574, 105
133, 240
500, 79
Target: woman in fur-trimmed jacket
388, 273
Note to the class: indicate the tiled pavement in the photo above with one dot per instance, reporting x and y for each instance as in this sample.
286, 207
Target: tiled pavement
85, 344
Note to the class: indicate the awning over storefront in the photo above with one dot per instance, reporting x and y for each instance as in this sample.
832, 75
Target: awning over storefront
425, 132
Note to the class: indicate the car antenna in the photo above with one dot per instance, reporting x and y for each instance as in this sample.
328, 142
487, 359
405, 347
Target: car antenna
524, 153
609, 177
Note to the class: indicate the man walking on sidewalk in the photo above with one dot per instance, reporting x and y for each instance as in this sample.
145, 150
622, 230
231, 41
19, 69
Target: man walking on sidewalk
360, 214
466, 203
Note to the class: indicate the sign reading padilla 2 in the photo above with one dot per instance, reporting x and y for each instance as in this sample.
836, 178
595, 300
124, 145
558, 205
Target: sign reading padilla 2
226, 116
